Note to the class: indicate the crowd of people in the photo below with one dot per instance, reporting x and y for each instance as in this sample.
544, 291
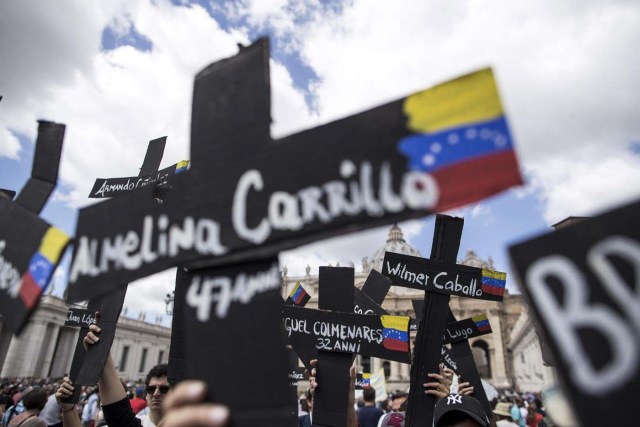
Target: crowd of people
455, 407
36, 402
34, 399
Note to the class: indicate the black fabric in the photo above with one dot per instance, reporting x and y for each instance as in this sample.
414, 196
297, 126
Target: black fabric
120, 414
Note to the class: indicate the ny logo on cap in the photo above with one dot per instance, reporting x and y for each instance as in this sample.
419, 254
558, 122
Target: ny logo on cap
454, 398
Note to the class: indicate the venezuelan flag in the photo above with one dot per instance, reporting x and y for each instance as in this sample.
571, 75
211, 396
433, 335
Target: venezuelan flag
395, 332
298, 295
366, 380
493, 282
42, 265
182, 166
461, 138
482, 323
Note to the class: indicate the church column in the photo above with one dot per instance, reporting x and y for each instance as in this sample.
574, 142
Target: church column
405, 370
496, 351
33, 354
48, 356
395, 371
12, 360
376, 364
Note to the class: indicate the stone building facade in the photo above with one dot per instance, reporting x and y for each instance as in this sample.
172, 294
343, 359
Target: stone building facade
530, 373
490, 351
45, 347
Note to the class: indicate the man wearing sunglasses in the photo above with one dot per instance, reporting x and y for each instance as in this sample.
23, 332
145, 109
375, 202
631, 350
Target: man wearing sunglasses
157, 386
115, 405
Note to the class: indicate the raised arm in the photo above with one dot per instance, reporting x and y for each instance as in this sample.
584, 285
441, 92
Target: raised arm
111, 390
70, 417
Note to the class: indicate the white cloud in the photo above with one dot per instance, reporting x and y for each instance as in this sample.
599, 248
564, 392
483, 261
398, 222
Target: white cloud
586, 185
289, 110
148, 295
9, 145
119, 100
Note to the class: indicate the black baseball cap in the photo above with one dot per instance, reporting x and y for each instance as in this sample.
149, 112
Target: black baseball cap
459, 403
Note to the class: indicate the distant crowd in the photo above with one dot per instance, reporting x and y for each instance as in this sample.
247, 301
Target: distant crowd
34, 399
42, 402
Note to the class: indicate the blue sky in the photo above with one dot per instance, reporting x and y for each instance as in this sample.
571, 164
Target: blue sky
120, 74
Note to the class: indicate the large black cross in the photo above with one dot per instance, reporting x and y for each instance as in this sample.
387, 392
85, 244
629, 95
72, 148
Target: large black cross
87, 366
335, 314
248, 196
232, 338
439, 277
149, 175
30, 249
458, 334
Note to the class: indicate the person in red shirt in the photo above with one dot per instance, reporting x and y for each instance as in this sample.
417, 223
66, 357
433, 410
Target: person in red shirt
138, 403
533, 416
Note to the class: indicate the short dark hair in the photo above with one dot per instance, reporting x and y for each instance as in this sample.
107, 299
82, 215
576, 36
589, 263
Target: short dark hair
157, 371
35, 398
369, 394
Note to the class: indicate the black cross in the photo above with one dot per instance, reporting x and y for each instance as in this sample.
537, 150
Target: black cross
87, 366
457, 333
149, 175
335, 327
460, 353
248, 196
231, 337
440, 277
330, 401
30, 249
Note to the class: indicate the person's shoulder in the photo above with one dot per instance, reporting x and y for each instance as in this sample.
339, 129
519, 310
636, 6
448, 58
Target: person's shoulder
35, 422
392, 419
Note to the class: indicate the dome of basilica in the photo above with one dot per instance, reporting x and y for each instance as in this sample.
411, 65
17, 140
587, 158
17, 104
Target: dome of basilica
395, 243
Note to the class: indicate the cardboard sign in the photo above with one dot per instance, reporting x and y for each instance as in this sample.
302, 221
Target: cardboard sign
87, 365
352, 174
582, 283
79, 317
447, 359
110, 307
233, 341
379, 384
376, 287
465, 329
30, 248
444, 277
296, 374
385, 337
113, 187
456, 331
363, 381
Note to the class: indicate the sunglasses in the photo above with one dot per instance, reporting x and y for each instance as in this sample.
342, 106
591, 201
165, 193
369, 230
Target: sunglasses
164, 389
